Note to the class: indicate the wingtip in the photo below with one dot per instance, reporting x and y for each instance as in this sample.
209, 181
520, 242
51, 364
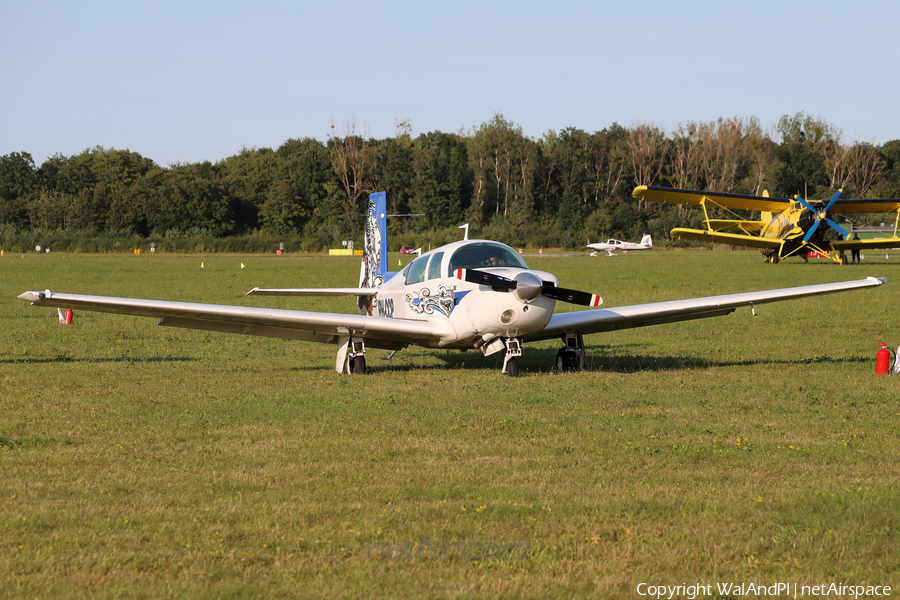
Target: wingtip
253, 291
32, 296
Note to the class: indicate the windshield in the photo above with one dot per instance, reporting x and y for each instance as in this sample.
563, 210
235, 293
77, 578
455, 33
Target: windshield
479, 255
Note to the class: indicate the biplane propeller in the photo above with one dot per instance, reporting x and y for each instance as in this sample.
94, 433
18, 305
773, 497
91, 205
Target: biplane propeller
822, 215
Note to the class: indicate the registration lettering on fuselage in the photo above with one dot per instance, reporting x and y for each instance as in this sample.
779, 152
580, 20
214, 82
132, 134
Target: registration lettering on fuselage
384, 307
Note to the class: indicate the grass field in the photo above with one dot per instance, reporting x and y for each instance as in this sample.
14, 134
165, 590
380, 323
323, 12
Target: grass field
141, 461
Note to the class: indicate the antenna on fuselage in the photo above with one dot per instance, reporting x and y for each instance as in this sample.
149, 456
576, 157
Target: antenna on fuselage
466, 233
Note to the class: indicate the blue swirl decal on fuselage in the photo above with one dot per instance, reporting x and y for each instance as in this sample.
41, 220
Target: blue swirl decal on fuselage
423, 302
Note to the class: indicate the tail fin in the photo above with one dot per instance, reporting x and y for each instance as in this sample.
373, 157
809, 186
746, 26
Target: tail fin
375, 252
646, 241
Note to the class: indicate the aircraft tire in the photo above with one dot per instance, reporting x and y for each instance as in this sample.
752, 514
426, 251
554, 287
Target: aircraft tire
358, 365
512, 367
565, 361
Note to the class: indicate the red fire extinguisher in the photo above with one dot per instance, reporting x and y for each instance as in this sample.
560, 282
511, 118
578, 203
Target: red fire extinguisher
883, 360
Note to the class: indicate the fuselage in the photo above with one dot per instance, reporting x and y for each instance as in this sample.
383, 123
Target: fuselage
611, 245
792, 225
465, 314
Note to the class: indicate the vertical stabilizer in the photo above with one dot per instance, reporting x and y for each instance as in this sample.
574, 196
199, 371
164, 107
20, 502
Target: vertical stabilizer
375, 254
646, 241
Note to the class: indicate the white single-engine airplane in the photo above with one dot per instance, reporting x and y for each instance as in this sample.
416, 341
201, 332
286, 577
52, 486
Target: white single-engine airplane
468, 294
610, 246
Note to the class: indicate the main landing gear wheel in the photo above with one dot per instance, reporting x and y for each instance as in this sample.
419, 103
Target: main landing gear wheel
572, 356
568, 361
512, 367
358, 365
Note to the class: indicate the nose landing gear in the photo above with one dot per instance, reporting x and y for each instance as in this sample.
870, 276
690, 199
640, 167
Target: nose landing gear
511, 360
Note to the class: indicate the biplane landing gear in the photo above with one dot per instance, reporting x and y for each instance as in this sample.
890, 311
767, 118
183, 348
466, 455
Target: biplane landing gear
511, 360
572, 357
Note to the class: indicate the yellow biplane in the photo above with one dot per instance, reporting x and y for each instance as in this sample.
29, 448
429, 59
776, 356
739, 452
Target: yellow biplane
786, 226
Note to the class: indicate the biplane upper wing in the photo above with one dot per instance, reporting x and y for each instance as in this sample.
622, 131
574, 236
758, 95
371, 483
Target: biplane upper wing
379, 332
761, 203
719, 237
694, 197
641, 315
874, 205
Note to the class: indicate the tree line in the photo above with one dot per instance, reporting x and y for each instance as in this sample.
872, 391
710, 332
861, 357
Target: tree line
559, 190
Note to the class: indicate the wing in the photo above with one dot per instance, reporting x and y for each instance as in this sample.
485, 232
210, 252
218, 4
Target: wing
865, 244
641, 315
718, 237
739, 201
720, 224
379, 332
875, 205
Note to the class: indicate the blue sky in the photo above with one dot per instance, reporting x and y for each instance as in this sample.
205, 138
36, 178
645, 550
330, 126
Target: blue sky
190, 81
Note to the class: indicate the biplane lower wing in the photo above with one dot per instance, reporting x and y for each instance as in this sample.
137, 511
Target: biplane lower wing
720, 224
873, 244
641, 315
718, 237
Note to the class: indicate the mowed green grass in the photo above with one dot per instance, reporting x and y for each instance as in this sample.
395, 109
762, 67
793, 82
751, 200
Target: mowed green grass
144, 461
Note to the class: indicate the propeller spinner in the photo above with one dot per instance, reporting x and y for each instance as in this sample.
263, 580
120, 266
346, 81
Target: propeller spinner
527, 286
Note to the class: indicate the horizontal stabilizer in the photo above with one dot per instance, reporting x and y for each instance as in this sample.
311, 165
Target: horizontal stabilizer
718, 237
720, 224
314, 292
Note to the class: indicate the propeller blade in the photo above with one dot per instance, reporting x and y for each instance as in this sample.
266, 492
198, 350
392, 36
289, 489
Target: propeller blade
833, 199
547, 289
484, 278
806, 204
811, 231
838, 228
571, 296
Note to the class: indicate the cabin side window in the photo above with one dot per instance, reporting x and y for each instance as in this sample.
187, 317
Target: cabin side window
416, 272
434, 266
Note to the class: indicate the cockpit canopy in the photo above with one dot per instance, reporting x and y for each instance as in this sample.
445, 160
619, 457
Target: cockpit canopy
479, 255
474, 255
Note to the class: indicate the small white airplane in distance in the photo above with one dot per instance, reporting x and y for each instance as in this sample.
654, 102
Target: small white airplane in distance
610, 246
468, 294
